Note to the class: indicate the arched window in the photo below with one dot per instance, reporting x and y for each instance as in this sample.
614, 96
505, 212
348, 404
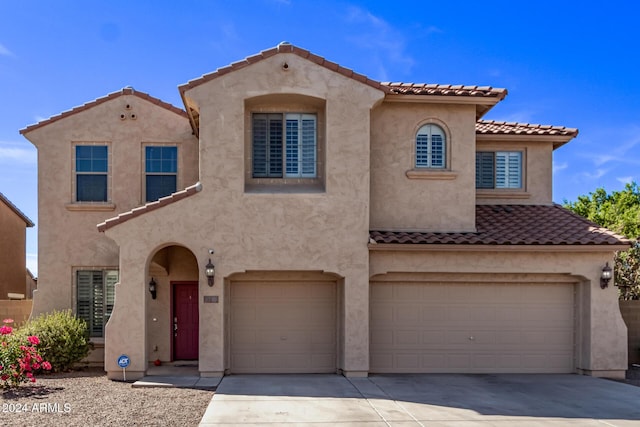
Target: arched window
431, 147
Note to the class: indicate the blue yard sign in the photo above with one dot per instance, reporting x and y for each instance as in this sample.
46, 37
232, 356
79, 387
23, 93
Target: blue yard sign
123, 361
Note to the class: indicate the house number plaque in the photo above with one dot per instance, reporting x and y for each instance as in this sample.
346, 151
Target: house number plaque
211, 298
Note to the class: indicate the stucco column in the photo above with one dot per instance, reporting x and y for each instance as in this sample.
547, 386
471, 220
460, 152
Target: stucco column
356, 324
211, 330
125, 332
609, 356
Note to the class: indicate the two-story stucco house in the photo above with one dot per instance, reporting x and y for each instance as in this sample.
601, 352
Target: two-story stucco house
300, 217
14, 276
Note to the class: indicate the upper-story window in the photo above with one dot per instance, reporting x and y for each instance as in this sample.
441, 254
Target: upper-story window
284, 145
498, 169
92, 168
161, 169
430, 147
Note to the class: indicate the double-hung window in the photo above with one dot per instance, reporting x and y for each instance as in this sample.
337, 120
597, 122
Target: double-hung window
284, 145
92, 168
95, 298
161, 168
430, 147
499, 169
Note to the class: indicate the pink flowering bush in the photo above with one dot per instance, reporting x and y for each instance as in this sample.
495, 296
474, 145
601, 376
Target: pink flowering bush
20, 358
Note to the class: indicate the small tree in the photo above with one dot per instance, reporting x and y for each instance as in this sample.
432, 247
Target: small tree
619, 212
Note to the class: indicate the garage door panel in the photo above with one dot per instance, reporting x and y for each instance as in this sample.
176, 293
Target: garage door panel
475, 327
283, 327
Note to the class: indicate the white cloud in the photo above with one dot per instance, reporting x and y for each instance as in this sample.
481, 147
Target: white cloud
597, 174
4, 51
557, 167
385, 43
625, 179
11, 152
524, 116
621, 146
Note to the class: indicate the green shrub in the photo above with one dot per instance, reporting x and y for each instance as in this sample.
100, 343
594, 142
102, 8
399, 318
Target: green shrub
63, 337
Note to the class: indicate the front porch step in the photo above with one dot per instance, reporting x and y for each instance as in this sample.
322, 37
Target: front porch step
187, 381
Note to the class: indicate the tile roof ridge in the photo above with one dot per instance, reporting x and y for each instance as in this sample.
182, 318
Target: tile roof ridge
127, 90
150, 206
17, 211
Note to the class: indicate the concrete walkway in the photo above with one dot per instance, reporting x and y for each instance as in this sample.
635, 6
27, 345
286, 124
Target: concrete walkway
182, 375
430, 400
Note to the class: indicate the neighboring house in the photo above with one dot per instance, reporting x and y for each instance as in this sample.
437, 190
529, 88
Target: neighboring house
13, 247
355, 227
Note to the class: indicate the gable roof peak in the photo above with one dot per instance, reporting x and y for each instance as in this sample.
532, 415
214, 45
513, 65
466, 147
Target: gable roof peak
127, 90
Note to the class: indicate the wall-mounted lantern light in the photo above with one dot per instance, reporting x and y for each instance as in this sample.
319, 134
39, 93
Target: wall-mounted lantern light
152, 288
210, 272
607, 272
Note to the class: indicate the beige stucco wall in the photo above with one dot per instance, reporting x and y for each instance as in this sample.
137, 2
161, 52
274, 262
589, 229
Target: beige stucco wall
13, 262
431, 200
68, 237
537, 159
601, 341
269, 231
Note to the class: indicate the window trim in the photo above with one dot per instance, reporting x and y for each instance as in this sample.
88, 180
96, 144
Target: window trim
76, 299
426, 172
287, 144
429, 150
143, 156
74, 174
284, 104
522, 167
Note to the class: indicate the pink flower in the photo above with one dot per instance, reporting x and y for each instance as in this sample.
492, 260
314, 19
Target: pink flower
34, 340
46, 365
4, 377
33, 380
7, 320
5, 330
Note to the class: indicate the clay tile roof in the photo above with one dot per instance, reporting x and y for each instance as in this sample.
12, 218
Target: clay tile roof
113, 95
151, 206
512, 128
515, 225
17, 211
444, 90
283, 47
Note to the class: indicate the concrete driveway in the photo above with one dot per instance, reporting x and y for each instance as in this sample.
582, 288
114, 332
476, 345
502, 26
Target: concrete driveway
430, 400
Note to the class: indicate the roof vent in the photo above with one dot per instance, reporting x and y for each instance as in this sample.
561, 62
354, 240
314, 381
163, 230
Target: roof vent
284, 43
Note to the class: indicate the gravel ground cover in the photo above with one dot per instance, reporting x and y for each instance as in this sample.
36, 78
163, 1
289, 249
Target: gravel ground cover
88, 398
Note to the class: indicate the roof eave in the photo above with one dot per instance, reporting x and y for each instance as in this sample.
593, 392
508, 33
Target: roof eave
557, 140
483, 103
448, 247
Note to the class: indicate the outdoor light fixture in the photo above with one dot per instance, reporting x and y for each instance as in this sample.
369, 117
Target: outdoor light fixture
210, 272
606, 276
152, 288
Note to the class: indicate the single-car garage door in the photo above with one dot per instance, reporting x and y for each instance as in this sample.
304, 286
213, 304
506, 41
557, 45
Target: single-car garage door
419, 327
283, 327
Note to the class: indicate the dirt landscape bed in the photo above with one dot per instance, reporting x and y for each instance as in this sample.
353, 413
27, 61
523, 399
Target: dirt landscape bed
88, 398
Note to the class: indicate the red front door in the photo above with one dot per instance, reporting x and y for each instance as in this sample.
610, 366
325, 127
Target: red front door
185, 321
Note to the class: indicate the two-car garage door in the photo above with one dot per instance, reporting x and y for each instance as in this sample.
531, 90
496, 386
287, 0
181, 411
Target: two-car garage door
471, 327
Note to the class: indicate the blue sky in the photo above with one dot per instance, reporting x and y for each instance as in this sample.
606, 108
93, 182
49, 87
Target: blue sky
564, 63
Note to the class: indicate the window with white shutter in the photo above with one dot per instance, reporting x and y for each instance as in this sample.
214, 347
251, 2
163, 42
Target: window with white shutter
284, 145
95, 297
430, 147
499, 169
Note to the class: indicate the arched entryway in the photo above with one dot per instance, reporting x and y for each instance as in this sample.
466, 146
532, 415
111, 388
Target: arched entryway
173, 316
